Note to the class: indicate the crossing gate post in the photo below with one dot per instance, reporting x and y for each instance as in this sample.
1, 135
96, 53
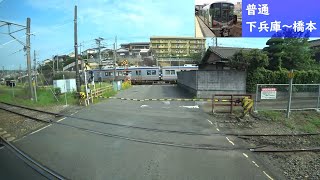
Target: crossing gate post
213, 103
256, 98
231, 104
318, 101
247, 105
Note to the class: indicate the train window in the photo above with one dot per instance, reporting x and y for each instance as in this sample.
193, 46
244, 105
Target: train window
173, 72
154, 72
167, 72
138, 73
148, 72
109, 73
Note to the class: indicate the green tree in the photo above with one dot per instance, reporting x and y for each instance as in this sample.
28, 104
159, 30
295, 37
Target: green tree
249, 60
297, 54
289, 53
197, 57
275, 53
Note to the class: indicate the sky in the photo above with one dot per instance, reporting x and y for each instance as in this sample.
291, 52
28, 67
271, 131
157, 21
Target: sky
130, 21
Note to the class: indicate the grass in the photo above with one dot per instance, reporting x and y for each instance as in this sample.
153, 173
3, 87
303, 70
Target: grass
44, 96
273, 115
306, 121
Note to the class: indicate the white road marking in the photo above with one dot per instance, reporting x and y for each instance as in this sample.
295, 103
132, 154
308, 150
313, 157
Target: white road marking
166, 102
209, 121
76, 112
61, 119
267, 175
230, 141
41, 129
19, 139
72, 114
143, 106
255, 163
191, 107
218, 129
245, 155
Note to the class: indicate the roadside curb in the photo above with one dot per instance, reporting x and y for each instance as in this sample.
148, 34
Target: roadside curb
167, 99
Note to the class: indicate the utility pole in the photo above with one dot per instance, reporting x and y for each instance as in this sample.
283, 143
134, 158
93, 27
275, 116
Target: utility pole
76, 49
53, 66
98, 41
29, 58
216, 41
20, 74
290, 93
57, 63
115, 56
35, 75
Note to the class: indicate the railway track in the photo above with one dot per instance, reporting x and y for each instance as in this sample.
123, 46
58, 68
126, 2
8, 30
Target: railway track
172, 144
38, 167
22, 112
150, 129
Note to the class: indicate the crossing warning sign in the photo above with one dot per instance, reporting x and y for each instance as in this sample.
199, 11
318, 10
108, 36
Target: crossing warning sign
268, 93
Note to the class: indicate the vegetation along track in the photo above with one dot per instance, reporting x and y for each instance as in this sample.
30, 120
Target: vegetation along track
11, 107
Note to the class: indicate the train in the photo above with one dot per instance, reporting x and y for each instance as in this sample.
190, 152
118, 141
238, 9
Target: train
139, 74
219, 17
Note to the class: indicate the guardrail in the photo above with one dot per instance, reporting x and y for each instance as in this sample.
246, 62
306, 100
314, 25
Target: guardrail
230, 100
95, 93
99, 91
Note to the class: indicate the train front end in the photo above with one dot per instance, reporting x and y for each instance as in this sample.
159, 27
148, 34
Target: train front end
223, 18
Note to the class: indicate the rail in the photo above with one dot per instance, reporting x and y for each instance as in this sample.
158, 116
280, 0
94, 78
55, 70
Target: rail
148, 129
189, 146
41, 169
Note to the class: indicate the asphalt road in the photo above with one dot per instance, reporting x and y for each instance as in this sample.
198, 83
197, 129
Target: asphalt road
12, 167
83, 155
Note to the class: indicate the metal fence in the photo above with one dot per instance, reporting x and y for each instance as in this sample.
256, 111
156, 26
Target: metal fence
276, 97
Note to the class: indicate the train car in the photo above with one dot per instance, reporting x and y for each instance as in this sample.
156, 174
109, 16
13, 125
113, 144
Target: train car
219, 17
141, 75
106, 75
144, 75
169, 73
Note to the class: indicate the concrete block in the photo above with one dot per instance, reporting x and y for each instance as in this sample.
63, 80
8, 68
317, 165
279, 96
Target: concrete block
10, 139
6, 135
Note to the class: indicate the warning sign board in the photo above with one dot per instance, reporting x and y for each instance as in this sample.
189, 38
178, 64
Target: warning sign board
290, 75
268, 93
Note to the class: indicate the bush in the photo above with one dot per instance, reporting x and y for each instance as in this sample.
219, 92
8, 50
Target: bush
263, 76
57, 91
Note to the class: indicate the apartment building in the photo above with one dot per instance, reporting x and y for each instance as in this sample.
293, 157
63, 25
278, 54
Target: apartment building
176, 47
